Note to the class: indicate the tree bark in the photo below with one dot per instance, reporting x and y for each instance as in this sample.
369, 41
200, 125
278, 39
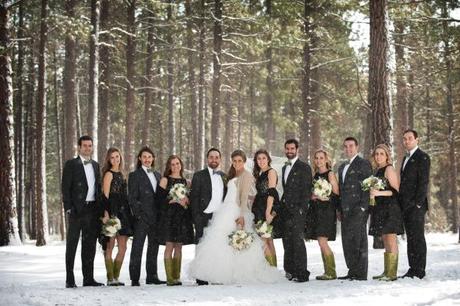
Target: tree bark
104, 86
8, 217
270, 125
93, 82
70, 142
130, 76
202, 84
400, 120
148, 83
378, 92
216, 76
228, 143
41, 207
170, 69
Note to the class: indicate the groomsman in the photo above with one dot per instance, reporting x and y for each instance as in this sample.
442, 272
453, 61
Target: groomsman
207, 194
297, 185
142, 187
415, 173
353, 211
81, 181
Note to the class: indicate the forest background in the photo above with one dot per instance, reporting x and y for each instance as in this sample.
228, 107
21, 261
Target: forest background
182, 76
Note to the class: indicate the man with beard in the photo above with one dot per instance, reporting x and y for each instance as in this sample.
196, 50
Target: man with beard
297, 184
208, 191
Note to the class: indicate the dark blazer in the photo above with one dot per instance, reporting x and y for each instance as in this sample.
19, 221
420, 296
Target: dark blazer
414, 181
201, 192
141, 196
297, 188
352, 197
75, 186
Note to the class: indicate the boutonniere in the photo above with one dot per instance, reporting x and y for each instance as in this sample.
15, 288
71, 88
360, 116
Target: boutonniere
352, 171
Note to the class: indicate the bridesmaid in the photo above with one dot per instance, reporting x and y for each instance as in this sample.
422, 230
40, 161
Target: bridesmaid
266, 201
386, 215
115, 199
322, 221
175, 221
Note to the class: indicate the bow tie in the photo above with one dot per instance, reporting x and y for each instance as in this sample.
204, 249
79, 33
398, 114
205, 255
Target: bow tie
149, 170
288, 163
214, 171
407, 155
347, 162
86, 161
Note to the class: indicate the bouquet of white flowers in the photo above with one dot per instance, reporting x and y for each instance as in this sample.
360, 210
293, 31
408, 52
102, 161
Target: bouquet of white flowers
263, 229
322, 188
111, 227
240, 239
178, 192
373, 182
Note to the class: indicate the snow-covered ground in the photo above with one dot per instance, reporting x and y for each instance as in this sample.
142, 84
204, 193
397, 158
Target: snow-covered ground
32, 275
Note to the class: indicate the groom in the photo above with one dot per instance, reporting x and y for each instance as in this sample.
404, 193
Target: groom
297, 184
207, 194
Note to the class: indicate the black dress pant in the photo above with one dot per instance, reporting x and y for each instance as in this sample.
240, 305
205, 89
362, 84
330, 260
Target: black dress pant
414, 224
354, 242
143, 230
295, 253
88, 224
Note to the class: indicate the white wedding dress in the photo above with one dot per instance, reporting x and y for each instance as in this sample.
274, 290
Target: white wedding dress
217, 262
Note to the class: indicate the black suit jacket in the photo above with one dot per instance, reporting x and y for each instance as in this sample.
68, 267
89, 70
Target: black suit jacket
352, 198
297, 188
414, 181
141, 196
201, 192
75, 186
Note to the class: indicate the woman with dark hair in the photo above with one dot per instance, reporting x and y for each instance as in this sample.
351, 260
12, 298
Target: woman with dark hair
176, 220
386, 215
218, 261
321, 216
266, 202
115, 202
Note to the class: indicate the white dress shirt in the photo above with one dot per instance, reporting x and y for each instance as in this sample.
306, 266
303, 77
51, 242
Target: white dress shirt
289, 167
152, 178
345, 169
411, 152
217, 192
90, 180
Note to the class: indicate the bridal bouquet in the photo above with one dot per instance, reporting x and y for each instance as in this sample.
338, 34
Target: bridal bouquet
178, 192
111, 227
240, 239
373, 182
322, 189
263, 229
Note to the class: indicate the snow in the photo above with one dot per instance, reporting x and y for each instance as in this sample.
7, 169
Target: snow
32, 275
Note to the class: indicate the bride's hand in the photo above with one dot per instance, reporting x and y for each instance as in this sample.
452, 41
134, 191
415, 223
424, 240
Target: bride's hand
240, 221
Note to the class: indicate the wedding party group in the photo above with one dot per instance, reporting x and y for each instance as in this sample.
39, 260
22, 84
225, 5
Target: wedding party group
234, 217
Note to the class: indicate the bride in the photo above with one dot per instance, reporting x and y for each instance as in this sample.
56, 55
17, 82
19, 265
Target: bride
215, 260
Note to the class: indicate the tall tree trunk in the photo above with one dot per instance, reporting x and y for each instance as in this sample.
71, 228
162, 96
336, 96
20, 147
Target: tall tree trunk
78, 109
130, 75
400, 120
216, 82
201, 84
148, 83
378, 92
41, 207
451, 131
270, 125
197, 156
8, 218
29, 128
315, 122
170, 70
19, 124
228, 143
306, 82
57, 123
70, 142
93, 75
104, 86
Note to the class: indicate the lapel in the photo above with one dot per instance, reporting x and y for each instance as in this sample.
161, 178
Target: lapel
282, 176
342, 166
146, 178
293, 168
81, 170
409, 162
350, 168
